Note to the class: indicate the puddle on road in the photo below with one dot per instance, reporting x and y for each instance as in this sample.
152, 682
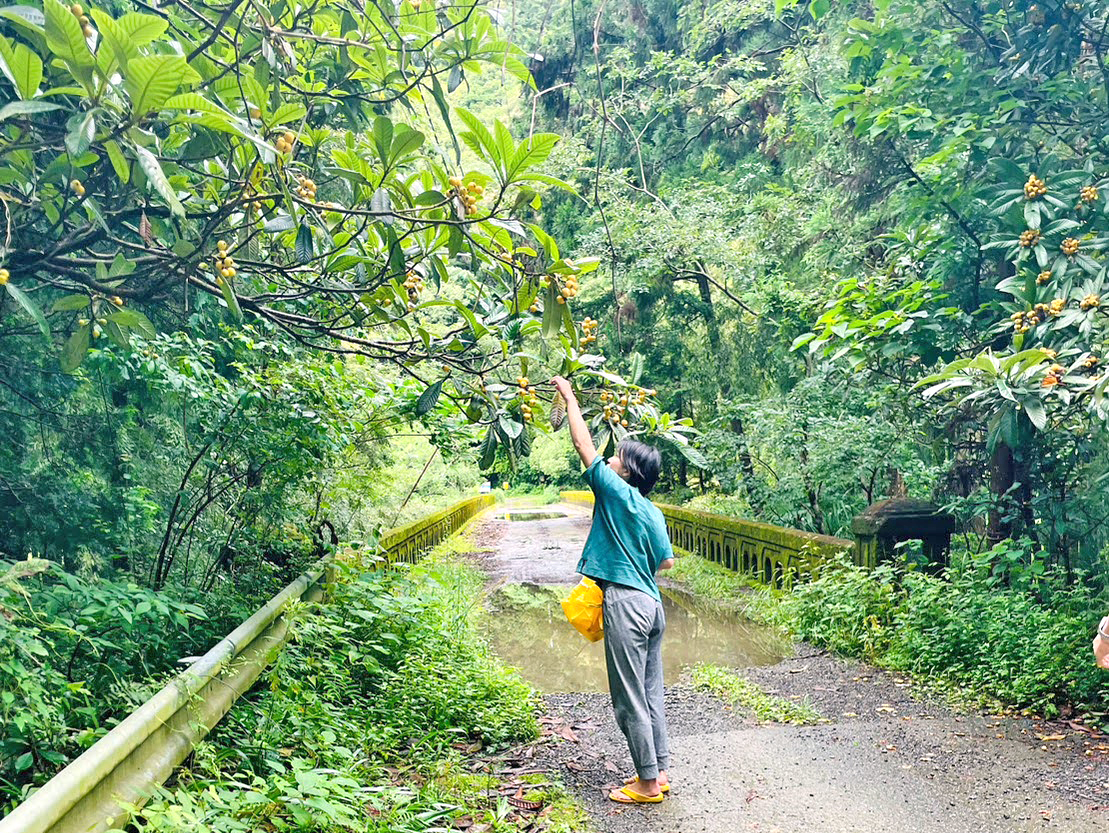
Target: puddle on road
527, 629
531, 516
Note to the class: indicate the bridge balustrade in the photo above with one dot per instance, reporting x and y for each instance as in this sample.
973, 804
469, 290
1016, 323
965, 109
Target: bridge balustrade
772, 554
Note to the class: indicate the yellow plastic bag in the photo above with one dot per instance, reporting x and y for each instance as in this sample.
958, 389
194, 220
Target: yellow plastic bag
583, 608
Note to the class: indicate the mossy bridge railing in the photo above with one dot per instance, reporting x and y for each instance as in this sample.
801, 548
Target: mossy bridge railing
141, 752
773, 554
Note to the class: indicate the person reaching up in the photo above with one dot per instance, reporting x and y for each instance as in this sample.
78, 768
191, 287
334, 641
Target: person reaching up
626, 547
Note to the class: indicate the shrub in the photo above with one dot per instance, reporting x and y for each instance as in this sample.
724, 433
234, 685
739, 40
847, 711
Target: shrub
1024, 643
74, 654
386, 677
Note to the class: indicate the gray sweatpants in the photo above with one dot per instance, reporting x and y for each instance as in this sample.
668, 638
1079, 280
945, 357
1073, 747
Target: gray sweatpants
634, 624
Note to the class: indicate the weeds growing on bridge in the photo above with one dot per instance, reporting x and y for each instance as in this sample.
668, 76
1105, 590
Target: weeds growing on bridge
737, 691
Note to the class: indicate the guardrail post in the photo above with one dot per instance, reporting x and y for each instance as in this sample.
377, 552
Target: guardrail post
882, 525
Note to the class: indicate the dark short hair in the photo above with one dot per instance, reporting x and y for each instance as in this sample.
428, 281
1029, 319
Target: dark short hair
642, 463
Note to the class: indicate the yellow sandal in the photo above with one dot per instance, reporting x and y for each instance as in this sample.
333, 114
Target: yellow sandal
664, 788
633, 797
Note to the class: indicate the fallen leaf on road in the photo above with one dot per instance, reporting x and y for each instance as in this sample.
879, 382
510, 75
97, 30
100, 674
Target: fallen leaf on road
1050, 737
524, 804
563, 731
1083, 728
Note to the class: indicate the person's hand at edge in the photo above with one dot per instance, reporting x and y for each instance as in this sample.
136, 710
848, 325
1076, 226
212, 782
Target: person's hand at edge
1101, 644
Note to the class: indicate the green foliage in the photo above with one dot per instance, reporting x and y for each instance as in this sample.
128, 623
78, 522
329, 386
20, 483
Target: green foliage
552, 457
75, 656
987, 294
991, 628
125, 473
391, 658
729, 206
302, 799
783, 188
815, 457
299, 178
1052, 311
553, 463
733, 689
79, 652
387, 677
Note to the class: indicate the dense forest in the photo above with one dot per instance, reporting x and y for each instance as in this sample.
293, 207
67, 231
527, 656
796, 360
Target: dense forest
860, 244
279, 275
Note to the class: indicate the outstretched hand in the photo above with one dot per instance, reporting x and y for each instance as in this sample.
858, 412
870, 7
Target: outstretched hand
579, 431
563, 386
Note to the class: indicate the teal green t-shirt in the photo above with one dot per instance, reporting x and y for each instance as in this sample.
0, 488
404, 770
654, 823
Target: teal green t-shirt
628, 539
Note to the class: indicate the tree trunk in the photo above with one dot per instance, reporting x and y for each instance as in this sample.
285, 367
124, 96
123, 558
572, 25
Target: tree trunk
747, 466
709, 314
1001, 481
811, 492
683, 467
897, 487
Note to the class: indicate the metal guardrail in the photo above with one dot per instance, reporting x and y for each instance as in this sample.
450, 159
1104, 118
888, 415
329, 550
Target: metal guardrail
143, 750
406, 542
773, 554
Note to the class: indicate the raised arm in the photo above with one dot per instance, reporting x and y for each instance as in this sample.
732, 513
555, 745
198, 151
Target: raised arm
579, 431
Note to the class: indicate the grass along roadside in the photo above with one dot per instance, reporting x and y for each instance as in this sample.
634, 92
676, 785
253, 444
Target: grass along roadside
385, 714
737, 691
716, 586
82, 649
980, 637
